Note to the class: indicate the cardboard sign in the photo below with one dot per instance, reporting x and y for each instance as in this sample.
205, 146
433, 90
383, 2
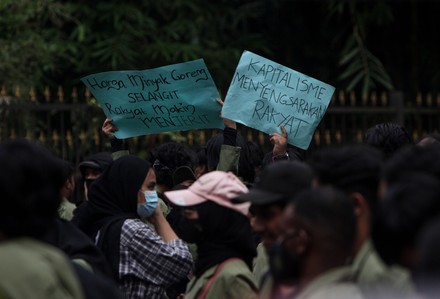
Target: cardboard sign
265, 95
170, 98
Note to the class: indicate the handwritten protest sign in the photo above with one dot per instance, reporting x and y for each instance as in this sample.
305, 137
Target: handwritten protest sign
265, 95
170, 98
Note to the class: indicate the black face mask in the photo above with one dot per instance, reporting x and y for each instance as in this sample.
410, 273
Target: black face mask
284, 266
189, 230
88, 183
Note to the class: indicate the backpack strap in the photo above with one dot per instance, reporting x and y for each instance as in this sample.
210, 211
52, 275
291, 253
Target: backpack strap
211, 280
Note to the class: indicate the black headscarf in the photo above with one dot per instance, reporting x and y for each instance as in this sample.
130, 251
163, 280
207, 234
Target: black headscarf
226, 234
112, 200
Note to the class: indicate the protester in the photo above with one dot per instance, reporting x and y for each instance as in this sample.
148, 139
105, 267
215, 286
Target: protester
277, 184
92, 167
407, 206
30, 182
310, 259
355, 169
144, 259
223, 236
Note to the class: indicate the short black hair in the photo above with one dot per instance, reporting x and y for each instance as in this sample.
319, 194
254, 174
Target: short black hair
30, 183
388, 137
169, 156
350, 168
410, 159
408, 204
329, 214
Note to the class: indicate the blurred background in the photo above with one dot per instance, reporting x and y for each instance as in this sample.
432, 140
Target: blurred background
382, 57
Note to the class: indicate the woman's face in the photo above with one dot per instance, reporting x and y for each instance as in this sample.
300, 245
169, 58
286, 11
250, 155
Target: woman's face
149, 184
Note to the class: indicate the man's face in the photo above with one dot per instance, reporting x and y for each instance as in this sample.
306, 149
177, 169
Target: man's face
267, 223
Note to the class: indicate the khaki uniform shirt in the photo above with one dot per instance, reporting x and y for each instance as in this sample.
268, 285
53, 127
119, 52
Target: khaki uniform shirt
234, 281
260, 264
376, 279
333, 284
31, 269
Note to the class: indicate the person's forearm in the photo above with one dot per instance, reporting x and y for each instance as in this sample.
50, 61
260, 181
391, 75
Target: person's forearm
163, 228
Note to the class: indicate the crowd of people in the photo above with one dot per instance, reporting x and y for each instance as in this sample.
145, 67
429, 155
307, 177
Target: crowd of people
224, 221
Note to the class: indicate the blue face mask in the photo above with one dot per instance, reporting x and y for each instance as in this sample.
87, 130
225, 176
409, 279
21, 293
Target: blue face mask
147, 208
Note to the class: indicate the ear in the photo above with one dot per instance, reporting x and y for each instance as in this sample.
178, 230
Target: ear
303, 242
359, 203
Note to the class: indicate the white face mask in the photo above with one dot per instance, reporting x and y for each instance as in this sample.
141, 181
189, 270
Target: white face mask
147, 208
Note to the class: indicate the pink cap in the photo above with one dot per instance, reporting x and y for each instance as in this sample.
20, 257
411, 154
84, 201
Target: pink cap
218, 186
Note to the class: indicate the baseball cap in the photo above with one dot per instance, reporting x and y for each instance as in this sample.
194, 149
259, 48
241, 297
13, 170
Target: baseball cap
279, 181
98, 161
217, 186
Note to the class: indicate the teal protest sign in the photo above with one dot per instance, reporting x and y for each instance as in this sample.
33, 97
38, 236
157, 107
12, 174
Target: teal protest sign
265, 95
170, 98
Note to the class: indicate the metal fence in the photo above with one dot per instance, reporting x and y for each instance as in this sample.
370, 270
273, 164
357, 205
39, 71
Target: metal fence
69, 121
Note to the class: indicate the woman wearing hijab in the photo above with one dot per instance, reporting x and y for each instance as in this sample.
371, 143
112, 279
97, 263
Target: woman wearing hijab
144, 260
222, 233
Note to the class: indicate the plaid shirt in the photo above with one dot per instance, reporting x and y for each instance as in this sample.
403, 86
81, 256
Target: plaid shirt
147, 264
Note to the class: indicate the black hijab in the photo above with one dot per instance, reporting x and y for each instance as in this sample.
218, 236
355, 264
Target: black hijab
112, 200
226, 234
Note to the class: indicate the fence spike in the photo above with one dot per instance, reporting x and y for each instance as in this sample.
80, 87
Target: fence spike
364, 99
373, 97
190, 138
317, 138
82, 136
17, 92
55, 137
341, 97
429, 100
359, 136
42, 138
384, 99
3, 91
328, 137
33, 94
74, 95
69, 138
47, 94
352, 99
60, 94
261, 138
338, 136
419, 99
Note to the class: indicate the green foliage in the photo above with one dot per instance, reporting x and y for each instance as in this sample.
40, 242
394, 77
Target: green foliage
362, 68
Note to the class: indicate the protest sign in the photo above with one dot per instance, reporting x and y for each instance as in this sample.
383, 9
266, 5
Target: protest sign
265, 95
170, 98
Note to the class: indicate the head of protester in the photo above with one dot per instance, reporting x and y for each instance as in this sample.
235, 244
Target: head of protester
269, 195
222, 233
144, 260
92, 167
166, 159
30, 184
312, 253
354, 169
388, 137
